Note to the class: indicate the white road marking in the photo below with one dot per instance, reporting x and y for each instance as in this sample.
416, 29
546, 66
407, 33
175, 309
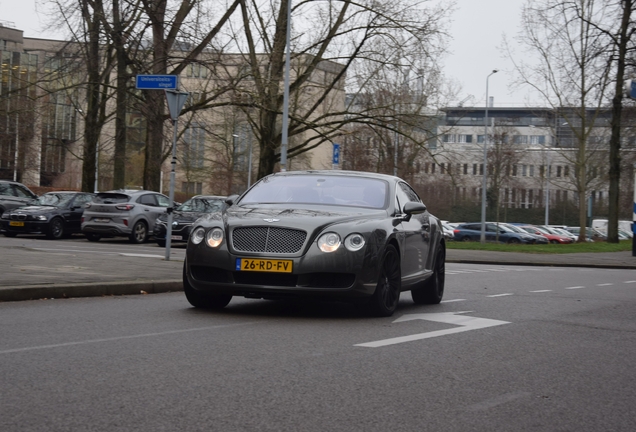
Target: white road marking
634, 281
92, 341
540, 291
501, 295
575, 287
605, 284
466, 323
453, 300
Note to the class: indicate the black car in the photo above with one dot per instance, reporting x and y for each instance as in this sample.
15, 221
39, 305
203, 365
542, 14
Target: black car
330, 234
184, 216
13, 195
56, 214
493, 232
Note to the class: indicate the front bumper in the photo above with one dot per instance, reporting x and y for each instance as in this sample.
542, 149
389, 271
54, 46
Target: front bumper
29, 227
341, 274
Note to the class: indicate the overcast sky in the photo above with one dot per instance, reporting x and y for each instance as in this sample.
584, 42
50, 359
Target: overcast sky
477, 29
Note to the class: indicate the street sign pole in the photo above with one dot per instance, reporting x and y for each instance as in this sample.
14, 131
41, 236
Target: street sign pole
176, 100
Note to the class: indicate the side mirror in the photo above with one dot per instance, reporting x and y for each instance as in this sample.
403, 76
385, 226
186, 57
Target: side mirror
230, 200
411, 208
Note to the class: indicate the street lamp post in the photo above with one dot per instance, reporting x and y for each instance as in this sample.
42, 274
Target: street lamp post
485, 173
283, 145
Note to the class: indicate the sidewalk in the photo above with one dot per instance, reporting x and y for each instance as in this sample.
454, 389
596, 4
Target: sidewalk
63, 275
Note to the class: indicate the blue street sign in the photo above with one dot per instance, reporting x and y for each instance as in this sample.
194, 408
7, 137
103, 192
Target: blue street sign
336, 154
157, 82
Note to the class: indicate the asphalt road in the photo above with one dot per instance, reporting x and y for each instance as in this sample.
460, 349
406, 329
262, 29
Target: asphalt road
511, 348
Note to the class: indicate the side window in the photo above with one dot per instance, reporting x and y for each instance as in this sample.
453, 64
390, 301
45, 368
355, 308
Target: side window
148, 199
82, 199
5, 189
401, 198
410, 193
163, 201
22, 192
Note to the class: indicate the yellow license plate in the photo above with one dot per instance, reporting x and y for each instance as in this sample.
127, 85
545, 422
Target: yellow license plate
16, 223
264, 265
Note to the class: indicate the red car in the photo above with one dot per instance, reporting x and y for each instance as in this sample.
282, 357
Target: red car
552, 238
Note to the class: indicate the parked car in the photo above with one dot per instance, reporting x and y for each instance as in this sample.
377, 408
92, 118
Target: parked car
123, 213
449, 233
494, 232
538, 239
327, 234
55, 214
13, 195
184, 216
553, 237
590, 233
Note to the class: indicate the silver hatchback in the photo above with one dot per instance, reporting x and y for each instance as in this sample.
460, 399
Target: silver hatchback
123, 213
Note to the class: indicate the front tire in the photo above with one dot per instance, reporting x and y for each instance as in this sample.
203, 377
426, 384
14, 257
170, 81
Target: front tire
161, 243
201, 299
139, 233
9, 234
56, 229
432, 290
387, 292
92, 237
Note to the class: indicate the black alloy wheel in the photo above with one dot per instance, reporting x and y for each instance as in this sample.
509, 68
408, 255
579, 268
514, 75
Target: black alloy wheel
203, 300
56, 229
387, 292
432, 290
139, 233
514, 240
92, 237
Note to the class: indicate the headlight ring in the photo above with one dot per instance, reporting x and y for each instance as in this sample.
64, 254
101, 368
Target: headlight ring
197, 236
354, 242
214, 237
329, 242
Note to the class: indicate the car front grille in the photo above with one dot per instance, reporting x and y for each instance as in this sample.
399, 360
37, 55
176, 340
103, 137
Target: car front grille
268, 240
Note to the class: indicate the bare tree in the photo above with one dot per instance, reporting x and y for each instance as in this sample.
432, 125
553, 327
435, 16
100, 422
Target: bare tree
571, 72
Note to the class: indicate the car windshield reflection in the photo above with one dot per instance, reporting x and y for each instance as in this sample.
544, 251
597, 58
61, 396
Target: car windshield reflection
201, 205
330, 190
53, 199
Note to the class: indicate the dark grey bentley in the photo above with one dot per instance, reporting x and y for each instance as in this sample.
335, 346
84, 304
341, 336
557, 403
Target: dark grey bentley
330, 234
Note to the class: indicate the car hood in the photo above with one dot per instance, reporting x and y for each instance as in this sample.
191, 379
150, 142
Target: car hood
34, 209
306, 218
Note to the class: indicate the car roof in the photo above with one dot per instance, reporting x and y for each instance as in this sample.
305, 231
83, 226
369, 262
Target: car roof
337, 173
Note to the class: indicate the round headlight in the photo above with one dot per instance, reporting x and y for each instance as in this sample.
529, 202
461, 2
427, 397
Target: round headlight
214, 237
329, 242
197, 235
354, 242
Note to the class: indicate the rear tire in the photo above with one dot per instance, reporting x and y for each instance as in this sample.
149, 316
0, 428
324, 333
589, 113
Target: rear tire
514, 241
465, 239
161, 243
203, 300
92, 237
9, 234
56, 229
139, 233
387, 292
432, 290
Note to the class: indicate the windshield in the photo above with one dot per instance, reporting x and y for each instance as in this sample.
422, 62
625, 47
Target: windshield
201, 205
316, 189
515, 229
54, 199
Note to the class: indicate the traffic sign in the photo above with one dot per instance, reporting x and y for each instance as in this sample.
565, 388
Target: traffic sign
336, 154
157, 82
176, 100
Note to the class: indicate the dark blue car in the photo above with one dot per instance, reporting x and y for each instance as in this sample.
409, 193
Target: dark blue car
494, 232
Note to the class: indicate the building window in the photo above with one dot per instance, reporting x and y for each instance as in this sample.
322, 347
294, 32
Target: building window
566, 171
524, 170
194, 150
466, 169
192, 188
514, 170
537, 139
531, 172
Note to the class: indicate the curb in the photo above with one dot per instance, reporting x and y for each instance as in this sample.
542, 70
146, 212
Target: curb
543, 264
95, 289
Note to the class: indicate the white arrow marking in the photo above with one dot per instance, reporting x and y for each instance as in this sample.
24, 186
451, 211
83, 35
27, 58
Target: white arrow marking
466, 323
